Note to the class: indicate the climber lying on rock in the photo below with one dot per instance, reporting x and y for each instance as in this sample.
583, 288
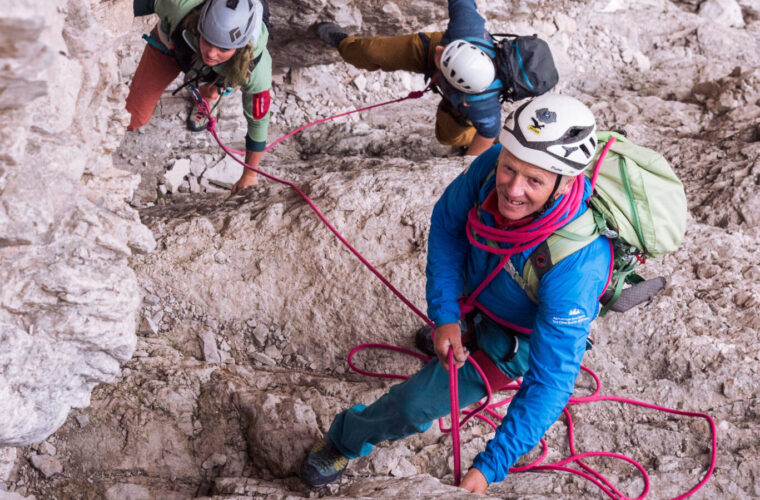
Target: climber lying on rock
498, 212
219, 45
460, 62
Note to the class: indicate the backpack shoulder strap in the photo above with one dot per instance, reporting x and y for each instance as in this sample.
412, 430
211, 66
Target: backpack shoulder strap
562, 243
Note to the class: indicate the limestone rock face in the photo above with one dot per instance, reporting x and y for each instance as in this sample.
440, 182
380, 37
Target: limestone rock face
68, 298
250, 306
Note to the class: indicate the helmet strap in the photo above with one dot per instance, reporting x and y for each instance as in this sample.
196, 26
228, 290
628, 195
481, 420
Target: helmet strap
549, 201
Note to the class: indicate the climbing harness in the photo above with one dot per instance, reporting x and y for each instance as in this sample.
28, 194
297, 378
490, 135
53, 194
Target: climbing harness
537, 231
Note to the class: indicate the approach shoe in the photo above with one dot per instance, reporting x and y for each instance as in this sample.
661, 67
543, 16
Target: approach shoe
330, 33
423, 340
197, 121
323, 465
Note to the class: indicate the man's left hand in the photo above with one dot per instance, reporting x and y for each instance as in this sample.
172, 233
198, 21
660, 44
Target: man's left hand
474, 481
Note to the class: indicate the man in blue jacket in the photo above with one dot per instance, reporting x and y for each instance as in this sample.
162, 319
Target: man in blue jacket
527, 181
469, 114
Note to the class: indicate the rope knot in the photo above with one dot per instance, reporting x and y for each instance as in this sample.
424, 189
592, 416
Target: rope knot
465, 307
211, 123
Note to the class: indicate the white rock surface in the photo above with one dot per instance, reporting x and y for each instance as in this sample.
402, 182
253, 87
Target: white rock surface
174, 177
225, 173
68, 300
723, 12
285, 303
7, 462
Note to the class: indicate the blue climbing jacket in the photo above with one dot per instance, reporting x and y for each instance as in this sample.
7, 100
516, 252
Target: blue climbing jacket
484, 111
567, 303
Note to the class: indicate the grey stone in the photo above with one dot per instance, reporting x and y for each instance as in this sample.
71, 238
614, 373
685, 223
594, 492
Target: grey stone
151, 299
215, 460
261, 358
47, 465
83, 420
7, 462
225, 173
208, 345
723, 12
126, 491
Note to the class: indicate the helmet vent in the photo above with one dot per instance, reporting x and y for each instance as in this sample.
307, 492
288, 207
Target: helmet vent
585, 150
453, 74
575, 132
250, 20
593, 142
232, 4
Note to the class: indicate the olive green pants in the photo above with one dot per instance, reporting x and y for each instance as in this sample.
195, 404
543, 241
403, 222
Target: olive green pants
409, 53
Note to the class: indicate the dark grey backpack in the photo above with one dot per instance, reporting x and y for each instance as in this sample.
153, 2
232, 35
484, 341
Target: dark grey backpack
525, 66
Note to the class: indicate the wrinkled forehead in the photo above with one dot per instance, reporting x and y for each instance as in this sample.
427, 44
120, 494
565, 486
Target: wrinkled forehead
506, 158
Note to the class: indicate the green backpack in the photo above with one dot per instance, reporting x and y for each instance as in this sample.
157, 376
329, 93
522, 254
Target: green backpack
639, 204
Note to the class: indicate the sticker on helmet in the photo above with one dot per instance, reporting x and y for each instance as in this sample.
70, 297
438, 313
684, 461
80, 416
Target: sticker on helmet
545, 116
536, 127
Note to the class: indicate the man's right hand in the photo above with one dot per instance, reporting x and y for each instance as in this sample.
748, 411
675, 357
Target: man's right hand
449, 335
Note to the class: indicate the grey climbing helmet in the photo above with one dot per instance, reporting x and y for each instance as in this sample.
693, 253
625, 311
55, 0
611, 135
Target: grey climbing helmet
230, 24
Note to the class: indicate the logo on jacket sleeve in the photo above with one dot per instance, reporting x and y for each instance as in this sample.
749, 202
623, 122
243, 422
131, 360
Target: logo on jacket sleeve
574, 317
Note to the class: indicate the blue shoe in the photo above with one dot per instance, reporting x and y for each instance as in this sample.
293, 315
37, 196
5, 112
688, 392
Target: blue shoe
323, 465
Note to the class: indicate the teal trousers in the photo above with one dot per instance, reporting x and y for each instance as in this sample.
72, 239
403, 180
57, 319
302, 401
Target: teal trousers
414, 404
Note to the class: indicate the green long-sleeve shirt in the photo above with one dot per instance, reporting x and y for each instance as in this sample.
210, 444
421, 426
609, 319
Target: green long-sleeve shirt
171, 14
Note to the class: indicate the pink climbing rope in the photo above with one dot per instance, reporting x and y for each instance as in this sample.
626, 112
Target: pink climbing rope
557, 218
606, 148
586, 471
415, 94
204, 107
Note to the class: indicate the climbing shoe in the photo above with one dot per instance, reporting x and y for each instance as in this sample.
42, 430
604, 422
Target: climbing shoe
330, 33
323, 465
196, 120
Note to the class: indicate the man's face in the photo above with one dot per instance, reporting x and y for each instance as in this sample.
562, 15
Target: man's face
213, 55
523, 188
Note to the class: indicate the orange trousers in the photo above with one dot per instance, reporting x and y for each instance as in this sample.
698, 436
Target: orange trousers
154, 73
406, 52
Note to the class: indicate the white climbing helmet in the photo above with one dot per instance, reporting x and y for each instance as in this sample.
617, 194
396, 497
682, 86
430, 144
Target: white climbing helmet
553, 132
467, 67
230, 24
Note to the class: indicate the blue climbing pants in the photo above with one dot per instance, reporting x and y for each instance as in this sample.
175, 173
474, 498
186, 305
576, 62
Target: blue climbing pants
412, 406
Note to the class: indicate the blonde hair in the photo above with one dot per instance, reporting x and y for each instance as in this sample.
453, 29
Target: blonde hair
237, 69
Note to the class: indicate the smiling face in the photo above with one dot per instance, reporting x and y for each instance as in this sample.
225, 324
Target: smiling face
213, 55
523, 188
